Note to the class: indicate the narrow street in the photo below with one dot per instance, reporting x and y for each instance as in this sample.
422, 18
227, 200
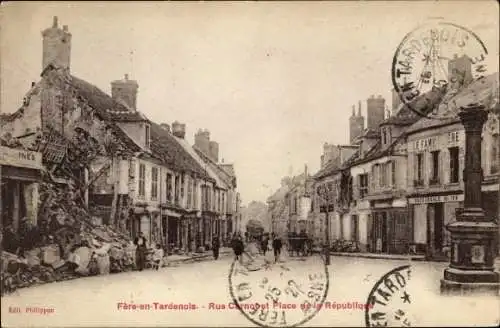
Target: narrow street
94, 301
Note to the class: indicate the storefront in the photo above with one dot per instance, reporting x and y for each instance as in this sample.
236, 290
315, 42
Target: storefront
19, 177
171, 227
389, 227
358, 225
431, 214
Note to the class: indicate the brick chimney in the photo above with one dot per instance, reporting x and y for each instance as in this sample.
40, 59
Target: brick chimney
356, 124
179, 130
214, 151
375, 111
125, 91
56, 46
202, 141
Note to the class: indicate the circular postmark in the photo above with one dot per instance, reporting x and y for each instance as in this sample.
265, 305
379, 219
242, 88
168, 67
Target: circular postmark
283, 294
435, 59
390, 300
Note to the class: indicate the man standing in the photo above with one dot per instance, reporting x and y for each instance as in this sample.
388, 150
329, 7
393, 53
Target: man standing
263, 245
238, 248
140, 251
215, 247
277, 248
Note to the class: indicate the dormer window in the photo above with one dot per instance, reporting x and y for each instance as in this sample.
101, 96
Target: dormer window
147, 136
386, 136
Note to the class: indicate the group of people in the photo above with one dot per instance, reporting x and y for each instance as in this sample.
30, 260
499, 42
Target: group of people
141, 253
237, 244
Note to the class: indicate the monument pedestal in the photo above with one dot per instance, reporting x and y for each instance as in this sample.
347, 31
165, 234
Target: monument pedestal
471, 269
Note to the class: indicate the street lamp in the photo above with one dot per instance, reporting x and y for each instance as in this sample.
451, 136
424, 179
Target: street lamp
473, 239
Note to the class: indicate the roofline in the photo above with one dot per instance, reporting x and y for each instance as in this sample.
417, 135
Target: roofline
426, 128
208, 159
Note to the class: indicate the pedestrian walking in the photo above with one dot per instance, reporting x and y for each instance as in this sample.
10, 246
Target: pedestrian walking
140, 251
277, 244
263, 245
215, 247
238, 248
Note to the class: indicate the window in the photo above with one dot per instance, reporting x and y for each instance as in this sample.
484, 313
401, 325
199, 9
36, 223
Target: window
169, 187
204, 198
393, 173
453, 137
142, 180
195, 194
383, 175
435, 167
176, 189
384, 136
154, 183
373, 178
189, 193
147, 136
494, 154
182, 187
223, 201
419, 174
363, 185
454, 164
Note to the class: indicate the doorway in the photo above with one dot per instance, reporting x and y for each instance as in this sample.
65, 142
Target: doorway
380, 232
435, 228
354, 228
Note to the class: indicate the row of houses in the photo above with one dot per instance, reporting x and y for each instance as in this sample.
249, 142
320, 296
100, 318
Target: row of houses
399, 182
133, 173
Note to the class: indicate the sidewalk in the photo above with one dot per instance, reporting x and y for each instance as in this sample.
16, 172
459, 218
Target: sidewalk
399, 257
195, 257
381, 256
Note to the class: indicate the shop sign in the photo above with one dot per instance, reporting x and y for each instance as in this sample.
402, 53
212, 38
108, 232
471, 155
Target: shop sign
20, 158
437, 199
382, 205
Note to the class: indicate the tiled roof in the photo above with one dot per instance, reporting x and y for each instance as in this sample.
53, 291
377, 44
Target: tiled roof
105, 106
376, 152
124, 138
206, 166
352, 159
221, 173
167, 149
228, 168
371, 133
163, 144
484, 90
331, 167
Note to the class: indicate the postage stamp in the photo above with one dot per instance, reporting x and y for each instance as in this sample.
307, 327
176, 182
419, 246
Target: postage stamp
436, 57
391, 300
279, 294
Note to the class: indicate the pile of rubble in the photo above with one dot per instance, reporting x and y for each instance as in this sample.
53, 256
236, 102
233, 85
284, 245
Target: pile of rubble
65, 244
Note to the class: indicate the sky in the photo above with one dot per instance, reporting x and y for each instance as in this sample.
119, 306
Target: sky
272, 81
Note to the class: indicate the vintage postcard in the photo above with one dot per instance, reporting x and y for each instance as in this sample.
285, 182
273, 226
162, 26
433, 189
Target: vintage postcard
249, 164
